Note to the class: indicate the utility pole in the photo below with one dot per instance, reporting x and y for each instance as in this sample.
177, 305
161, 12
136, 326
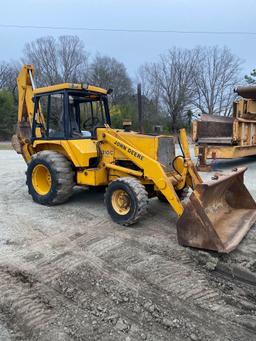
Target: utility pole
140, 113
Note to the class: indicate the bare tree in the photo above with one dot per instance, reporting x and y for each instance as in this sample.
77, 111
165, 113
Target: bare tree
108, 73
152, 111
216, 75
73, 59
57, 60
251, 79
172, 76
8, 77
3, 74
150, 86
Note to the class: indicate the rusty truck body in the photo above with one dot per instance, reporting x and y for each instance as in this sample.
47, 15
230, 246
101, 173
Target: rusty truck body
218, 137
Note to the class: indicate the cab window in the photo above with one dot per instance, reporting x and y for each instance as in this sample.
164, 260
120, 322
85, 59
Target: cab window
86, 114
52, 106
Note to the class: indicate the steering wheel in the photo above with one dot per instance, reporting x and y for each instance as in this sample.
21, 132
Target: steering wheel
90, 123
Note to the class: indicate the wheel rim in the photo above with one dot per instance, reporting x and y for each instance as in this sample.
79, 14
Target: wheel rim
121, 202
41, 179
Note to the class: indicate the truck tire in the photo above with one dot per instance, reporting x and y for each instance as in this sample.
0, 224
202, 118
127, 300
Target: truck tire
50, 178
126, 200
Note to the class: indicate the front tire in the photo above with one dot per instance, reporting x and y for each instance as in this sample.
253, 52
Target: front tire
126, 200
50, 178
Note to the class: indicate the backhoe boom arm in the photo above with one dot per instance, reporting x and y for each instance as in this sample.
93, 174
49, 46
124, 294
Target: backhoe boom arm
21, 141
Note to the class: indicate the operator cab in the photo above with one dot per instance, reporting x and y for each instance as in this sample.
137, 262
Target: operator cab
69, 113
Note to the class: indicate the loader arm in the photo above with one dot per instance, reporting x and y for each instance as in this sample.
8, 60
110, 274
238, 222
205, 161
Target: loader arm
217, 215
151, 168
192, 178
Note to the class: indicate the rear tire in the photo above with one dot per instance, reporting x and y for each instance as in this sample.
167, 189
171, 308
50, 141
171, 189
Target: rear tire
126, 200
50, 178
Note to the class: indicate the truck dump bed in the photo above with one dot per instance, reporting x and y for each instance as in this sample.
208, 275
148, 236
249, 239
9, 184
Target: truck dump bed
214, 129
218, 137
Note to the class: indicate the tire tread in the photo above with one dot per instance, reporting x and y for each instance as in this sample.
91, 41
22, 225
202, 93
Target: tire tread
141, 195
64, 175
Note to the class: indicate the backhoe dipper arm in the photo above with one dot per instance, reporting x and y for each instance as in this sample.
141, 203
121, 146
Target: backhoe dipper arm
21, 141
151, 168
25, 91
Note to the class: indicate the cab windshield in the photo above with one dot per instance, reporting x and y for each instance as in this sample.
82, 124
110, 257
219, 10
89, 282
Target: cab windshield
86, 114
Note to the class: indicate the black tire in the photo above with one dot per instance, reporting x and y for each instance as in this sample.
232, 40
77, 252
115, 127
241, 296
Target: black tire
61, 174
138, 200
182, 194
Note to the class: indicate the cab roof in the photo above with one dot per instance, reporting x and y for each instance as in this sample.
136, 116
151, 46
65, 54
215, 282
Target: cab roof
70, 86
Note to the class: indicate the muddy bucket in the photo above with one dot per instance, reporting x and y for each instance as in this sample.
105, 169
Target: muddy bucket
218, 215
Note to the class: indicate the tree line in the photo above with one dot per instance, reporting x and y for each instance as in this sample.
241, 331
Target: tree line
181, 84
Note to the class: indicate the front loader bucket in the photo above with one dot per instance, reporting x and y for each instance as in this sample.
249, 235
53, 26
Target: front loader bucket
218, 215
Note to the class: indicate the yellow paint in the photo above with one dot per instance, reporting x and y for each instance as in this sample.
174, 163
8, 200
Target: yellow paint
121, 202
124, 170
114, 153
96, 89
81, 151
25, 110
92, 177
180, 167
184, 143
41, 179
114, 146
152, 168
227, 152
69, 86
78, 151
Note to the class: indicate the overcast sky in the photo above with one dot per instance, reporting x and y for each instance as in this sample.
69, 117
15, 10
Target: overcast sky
133, 48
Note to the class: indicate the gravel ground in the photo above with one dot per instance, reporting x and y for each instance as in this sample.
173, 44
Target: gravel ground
5, 145
70, 273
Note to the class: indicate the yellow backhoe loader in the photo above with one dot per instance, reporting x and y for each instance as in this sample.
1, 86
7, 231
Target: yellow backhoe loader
64, 134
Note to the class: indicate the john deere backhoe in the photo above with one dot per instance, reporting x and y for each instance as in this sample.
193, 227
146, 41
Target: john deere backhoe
64, 134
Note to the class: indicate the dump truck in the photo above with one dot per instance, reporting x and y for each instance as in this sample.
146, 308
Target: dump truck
218, 137
64, 135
